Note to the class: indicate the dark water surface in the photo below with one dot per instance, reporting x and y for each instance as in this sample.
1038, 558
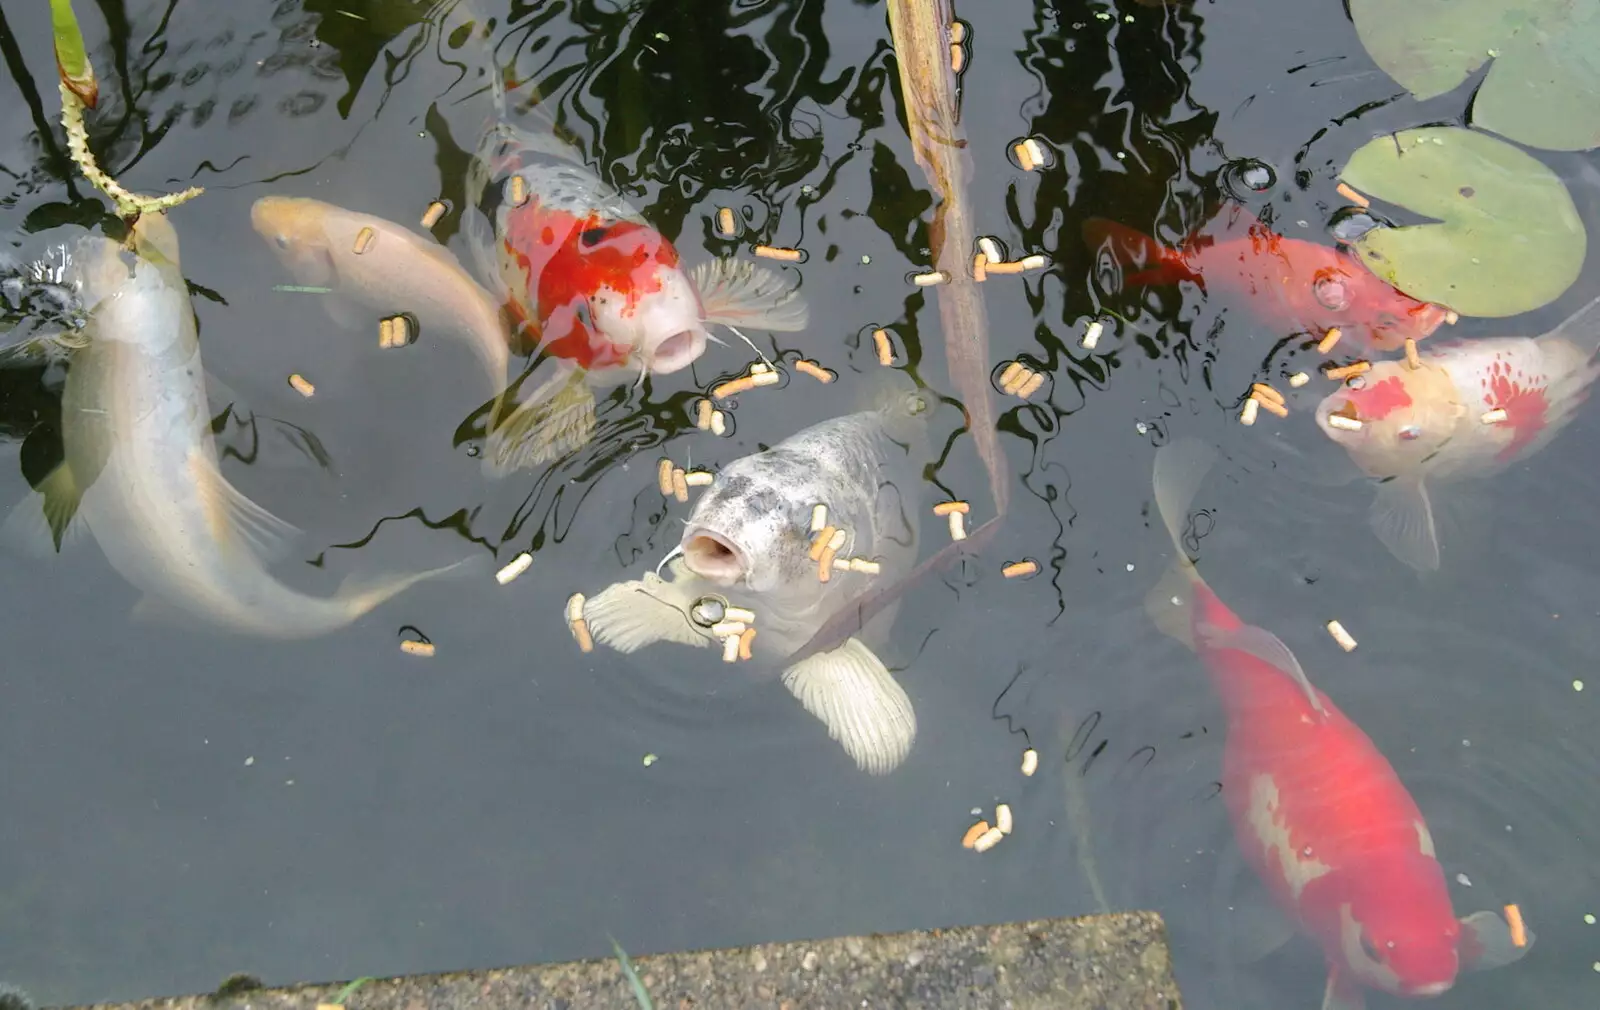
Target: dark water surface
178, 805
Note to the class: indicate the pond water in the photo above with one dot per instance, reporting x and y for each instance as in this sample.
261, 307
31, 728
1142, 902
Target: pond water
180, 804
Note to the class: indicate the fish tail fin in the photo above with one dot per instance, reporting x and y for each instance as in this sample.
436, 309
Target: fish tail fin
1581, 329
854, 695
740, 293
1170, 602
1179, 470
556, 419
1487, 942
361, 593
627, 616
1149, 261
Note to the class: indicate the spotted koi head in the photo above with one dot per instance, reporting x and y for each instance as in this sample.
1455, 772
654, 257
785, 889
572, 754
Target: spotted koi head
1397, 930
1392, 418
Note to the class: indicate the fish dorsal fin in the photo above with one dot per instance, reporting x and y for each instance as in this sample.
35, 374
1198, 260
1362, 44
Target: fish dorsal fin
230, 513
1402, 517
46, 521
627, 616
739, 293
851, 691
1581, 329
1265, 646
1486, 942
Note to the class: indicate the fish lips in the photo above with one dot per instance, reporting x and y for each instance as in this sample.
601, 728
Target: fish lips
715, 557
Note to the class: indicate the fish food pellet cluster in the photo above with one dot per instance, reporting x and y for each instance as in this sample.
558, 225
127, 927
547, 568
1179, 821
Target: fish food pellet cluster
1030, 154
395, 331
981, 837
519, 564
737, 632
1262, 397
1019, 380
759, 374
576, 623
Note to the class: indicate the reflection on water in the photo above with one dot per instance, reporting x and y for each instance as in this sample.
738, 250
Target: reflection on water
185, 804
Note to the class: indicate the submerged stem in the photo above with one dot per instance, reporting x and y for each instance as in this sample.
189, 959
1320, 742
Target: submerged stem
129, 204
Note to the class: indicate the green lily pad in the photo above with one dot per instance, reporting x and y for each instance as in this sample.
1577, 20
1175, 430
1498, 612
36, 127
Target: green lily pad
1543, 88
1505, 236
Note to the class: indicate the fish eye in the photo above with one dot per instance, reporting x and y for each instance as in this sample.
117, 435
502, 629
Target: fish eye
1356, 382
1331, 290
1369, 948
1410, 433
708, 611
282, 240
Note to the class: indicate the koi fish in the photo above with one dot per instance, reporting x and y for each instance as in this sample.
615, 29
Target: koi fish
748, 542
396, 271
1317, 810
586, 279
1298, 286
140, 469
1426, 423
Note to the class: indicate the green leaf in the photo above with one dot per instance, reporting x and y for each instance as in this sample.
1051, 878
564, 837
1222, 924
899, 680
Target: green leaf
72, 57
1543, 84
1505, 239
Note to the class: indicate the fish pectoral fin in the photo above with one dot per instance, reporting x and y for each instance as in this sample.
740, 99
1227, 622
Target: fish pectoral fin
1343, 992
627, 616
229, 510
1402, 517
1265, 646
853, 694
740, 293
557, 419
1486, 942
47, 521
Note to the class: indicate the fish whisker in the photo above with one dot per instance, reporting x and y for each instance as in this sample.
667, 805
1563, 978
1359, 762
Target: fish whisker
670, 555
740, 334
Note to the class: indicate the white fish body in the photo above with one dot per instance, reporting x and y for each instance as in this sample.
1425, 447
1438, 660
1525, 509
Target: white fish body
141, 471
748, 542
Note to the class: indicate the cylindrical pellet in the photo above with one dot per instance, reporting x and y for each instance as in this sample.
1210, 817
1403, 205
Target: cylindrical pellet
1494, 416
719, 423
386, 332
298, 383
664, 476
733, 387
698, 478
1344, 422
1035, 152
958, 526
1268, 405
990, 248
1017, 569
435, 211
1451, 318
730, 649
739, 614
974, 833
1354, 197
412, 647
1023, 157
980, 268
519, 190
958, 31
1002, 818
767, 378
814, 370
1266, 392
364, 239
1298, 379
725, 221
1413, 359
1346, 371
880, 339
1247, 415
931, 278
746, 639
1004, 267
820, 543
864, 567
987, 840
825, 565
778, 253
944, 508
1031, 386
1341, 636
1091, 336
580, 634
1328, 340
1011, 375
1035, 262
819, 518
1030, 761
958, 57
1519, 930
702, 418
575, 607
680, 485
724, 628
519, 564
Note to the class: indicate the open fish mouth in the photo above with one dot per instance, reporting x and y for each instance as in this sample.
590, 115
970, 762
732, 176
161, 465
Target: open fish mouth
677, 351
1429, 989
714, 557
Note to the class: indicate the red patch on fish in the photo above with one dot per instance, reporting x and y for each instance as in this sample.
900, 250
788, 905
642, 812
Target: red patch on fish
1300, 286
564, 260
1524, 402
1378, 400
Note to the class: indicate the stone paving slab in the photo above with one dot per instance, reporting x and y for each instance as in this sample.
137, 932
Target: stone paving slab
1107, 962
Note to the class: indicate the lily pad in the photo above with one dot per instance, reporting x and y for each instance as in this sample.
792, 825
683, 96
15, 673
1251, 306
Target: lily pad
1543, 87
1505, 237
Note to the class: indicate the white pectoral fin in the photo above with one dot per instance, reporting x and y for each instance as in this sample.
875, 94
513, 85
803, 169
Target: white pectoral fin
556, 419
740, 293
229, 511
1486, 942
1265, 646
627, 616
851, 691
46, 521
1343, 992
1402, 517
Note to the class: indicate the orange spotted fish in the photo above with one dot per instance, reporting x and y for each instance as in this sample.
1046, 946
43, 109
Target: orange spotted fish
1295, 285
1427, 424
1317, 810
587, 281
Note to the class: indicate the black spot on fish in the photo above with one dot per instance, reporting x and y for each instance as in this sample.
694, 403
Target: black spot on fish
592, 236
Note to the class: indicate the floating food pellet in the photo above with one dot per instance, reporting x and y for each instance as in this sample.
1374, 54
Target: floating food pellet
703, 410
990, 249
1413, 359
1344, 422
1002, 818
412, 647
719, 423
1030, 761
958, 31
862, 566
1035, 152
519, 564
725, 221
1017, 569
664, 476
1328, 340
649, 759
519, 190
1247, 415
958, 526
698, 478
364, 239
987, 840
1005, 267
1266, 392
819, 518
836, 542
880, 339
394, 331
1013, 374
1298, 379
958, 57
779, 253
739, 614
1519, 931
814, 370
435, 211
579, 626
680, 484
1346, 371
1035, 262
386, 332
765, 378
725, 627
1494, 416
1341, 636
1031, 386
1450, 317
1091, 336
944, 508
759, 368
733, 387
821, 541
1354, 197
298, 383
974, 833
1023, 157
730, 649
980, 268
930, 278
746, 638
1270, 405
